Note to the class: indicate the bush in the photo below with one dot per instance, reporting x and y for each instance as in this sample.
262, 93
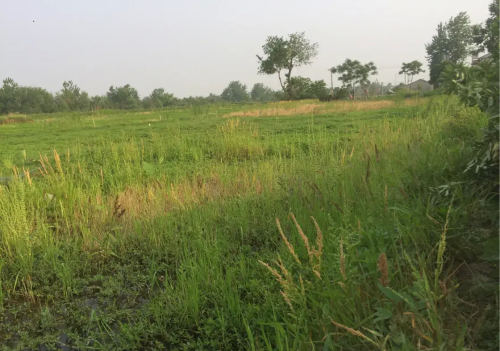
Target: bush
464, 125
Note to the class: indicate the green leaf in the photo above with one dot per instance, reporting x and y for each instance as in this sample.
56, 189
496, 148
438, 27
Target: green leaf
397, 296
402, 209
148, 168
328, 343
389, 293
382, 314
490, 101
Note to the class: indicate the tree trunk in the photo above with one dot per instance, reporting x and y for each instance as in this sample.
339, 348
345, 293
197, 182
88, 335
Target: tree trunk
289, 86
331, 81
354, 90
281, 83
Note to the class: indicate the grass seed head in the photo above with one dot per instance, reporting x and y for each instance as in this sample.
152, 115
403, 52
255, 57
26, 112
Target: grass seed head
383, 269
287, 243
303, 236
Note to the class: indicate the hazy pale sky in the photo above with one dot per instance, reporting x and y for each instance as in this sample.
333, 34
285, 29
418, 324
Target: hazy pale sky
196, 47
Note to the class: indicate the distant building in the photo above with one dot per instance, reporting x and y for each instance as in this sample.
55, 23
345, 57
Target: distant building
476, 60
419, 84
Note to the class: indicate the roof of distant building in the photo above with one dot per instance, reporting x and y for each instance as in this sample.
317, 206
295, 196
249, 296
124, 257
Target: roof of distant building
480, 58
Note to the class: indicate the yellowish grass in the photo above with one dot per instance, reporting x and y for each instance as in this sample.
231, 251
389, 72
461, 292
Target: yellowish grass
13, 119
291, 109
158, 199
354, 332
14, 115
291, 291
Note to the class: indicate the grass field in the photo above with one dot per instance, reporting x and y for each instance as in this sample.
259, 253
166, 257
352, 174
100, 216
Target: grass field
287, 226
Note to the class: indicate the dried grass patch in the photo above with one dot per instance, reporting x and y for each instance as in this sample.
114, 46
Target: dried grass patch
159, 199
15, 120
322, 108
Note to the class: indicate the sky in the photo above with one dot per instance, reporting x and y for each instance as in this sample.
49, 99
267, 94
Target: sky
196, 47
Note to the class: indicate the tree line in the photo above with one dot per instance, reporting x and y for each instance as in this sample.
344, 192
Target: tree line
453, 43
21, 99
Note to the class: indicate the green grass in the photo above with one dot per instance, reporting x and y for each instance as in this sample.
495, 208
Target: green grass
143, 232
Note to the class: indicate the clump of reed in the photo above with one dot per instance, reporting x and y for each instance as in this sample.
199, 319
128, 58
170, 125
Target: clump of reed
293, 290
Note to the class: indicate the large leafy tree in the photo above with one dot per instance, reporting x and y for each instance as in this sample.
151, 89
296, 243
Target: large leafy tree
305, 88
235, 92
98, 102
159, 98
341, 93
10, 98
72, 98
262, 93
147, 103
15, 98
300, 88
452, 43
486, 36
36, 100
124, 98
318, 90
285, 54
411, 69
353, 74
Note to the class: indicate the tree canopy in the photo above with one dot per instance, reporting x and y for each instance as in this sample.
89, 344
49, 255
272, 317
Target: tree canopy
124, 98
235, 92
19, 99
285, 54
485, 36
262, 93
452, 43
159, 98
411, 69
353, 74
71, 98
305, 88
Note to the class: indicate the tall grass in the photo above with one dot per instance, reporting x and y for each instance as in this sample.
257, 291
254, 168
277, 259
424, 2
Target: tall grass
253, 233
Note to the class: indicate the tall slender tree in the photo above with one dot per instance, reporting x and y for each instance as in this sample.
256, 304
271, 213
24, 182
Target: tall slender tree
285, 54
411, 69
353, 74
452, 43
